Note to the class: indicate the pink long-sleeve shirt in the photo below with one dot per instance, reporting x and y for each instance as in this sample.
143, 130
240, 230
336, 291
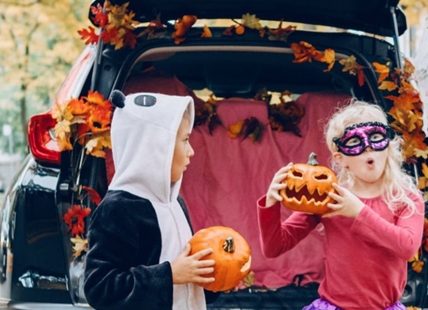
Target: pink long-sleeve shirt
366, 256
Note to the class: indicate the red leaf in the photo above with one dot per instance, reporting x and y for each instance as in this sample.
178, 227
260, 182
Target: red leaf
93, 195
360, 76
89, 35
100, 18
129, 39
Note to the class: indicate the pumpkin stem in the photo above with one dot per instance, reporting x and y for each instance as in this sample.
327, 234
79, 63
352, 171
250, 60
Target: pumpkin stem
229, 245
313, 159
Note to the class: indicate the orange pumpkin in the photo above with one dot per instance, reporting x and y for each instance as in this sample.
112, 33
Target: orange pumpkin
308, 186
231, 254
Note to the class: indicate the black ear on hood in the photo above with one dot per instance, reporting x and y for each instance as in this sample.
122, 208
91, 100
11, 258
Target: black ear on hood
117, 98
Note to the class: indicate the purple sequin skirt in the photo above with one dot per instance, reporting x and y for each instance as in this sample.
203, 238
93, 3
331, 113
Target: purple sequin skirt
322, 304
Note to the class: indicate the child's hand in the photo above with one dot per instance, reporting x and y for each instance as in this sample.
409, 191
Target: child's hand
189, 268
347, 204
272, 195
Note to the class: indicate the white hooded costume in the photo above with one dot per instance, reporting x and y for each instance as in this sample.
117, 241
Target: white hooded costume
140, 226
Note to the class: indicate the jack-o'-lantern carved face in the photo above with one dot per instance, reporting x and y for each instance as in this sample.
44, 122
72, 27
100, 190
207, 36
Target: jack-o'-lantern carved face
308, 186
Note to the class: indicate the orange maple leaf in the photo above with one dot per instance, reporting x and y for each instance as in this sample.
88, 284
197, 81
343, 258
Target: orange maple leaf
383, 71
182, 26
77, 107
405, 100
95, 98
99, 119
407, 70
404, 120
388, 85
206, 33
305, 52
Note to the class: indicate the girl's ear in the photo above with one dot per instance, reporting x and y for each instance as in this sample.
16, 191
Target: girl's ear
338, 158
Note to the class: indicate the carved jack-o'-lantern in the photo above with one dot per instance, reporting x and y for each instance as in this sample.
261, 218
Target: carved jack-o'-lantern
231, 254
308, 186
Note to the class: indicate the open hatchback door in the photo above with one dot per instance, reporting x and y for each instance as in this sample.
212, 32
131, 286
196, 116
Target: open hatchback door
282, 75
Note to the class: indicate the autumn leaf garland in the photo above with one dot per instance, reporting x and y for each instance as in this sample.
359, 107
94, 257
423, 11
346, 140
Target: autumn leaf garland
117, 26
85, 121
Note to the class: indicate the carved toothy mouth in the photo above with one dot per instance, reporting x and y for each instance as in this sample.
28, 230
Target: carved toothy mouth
302, 195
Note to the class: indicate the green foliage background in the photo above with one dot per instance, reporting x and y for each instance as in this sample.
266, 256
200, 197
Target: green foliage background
39, 44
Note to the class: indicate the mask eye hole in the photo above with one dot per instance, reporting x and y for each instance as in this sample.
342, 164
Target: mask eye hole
376, 137
321, 177
297, 174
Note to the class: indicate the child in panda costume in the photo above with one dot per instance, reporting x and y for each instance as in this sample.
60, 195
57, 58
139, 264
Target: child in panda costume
138, 256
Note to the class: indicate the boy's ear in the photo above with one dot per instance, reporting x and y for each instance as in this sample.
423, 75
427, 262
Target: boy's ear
117, 98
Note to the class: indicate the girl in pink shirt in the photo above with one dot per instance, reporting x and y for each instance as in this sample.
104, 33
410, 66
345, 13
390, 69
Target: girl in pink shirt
374, 227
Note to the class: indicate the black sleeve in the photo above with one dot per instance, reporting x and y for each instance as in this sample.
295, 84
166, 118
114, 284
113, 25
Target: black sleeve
211, 297
122, 270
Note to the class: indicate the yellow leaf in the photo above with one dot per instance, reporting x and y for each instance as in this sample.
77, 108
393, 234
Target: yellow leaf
417, 266
61, 129
329, 58
349, 63
92, 144
251, 21
425, 170
422, 183
249, 279
80, 245
64, 144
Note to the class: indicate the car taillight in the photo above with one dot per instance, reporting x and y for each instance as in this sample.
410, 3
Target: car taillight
42, 142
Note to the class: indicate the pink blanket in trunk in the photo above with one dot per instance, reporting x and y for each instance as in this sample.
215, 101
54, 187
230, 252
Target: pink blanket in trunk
227, 176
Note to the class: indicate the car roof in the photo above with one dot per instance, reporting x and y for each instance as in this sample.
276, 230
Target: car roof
372, 16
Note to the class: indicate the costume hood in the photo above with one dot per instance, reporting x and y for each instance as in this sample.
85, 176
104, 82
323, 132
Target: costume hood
143, 134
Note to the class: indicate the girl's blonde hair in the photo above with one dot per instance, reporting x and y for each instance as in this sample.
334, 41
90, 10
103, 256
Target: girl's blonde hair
396, 182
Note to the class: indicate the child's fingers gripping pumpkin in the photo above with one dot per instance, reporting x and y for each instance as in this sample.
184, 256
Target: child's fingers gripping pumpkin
190, 269
231, 253
272, 195
346, 203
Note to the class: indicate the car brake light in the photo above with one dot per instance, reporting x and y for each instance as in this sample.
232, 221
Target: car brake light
41, 139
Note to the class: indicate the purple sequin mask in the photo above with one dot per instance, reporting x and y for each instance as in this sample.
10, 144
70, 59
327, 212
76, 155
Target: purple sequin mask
358, 137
